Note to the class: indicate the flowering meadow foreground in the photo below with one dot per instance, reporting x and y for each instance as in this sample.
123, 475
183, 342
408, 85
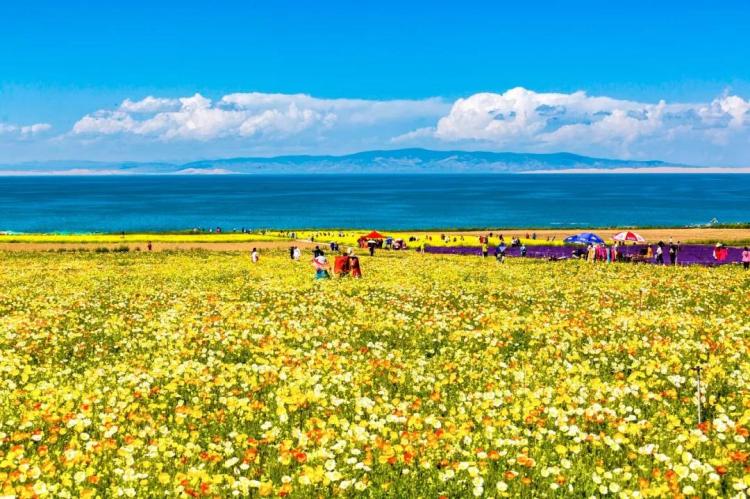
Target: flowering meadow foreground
201, 374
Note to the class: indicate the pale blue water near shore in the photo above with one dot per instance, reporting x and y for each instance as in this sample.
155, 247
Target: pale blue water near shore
162, 203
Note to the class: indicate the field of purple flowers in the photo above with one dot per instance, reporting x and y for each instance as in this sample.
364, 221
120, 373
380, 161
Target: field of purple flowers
688, 254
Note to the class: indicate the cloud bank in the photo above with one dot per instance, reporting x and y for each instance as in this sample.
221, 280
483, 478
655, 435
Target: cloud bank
251, 116
23, 131
523, 119
716, 132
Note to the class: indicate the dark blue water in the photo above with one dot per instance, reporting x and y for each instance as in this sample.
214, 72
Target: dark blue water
160, 203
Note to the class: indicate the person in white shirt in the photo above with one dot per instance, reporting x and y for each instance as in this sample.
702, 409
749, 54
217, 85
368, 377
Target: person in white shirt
660, 253
297, 253
255, 256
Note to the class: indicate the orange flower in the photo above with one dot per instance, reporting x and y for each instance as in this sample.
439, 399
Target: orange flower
739, 456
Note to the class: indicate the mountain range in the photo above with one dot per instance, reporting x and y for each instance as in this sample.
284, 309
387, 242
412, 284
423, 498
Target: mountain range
386, 161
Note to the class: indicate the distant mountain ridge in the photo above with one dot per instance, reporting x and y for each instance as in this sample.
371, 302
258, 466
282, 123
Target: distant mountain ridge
385, 161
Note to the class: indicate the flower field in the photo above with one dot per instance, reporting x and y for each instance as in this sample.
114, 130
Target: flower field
201, 374
688, 254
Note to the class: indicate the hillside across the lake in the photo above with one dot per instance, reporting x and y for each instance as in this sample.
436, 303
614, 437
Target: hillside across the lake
389, 161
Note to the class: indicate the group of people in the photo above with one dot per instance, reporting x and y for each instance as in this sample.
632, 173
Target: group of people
500, 249
344, 265
615, 253
295, 253
599, 253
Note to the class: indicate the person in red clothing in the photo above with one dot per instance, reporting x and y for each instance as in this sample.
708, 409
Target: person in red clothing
354, 267
341, 265
720, 252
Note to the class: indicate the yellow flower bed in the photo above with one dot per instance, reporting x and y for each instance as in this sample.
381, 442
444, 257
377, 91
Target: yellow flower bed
225, 237
202, 374
431, 238
344, 238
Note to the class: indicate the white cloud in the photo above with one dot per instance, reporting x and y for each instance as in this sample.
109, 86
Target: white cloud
716, 132
268, 117
149, 105
521, 119
24, 131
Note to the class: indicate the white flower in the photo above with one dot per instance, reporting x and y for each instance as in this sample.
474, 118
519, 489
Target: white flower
40, 488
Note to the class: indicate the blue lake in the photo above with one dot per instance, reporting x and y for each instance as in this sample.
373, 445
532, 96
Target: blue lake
161, 203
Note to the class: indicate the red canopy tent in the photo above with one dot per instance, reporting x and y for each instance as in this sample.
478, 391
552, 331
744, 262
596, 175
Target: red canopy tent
374, 235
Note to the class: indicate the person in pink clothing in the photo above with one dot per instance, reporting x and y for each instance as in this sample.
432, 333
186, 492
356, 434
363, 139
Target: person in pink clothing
745, 258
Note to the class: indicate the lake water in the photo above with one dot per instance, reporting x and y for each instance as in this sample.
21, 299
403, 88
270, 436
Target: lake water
161, 203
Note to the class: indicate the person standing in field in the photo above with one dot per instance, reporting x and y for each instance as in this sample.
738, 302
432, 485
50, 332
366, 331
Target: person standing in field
354, 268
485, 249
673, 249
291, 252
371, 246
149, 246
297, 254
720, 252
745, 258
660, 253
321, 267
341, 265
500, 252
649, 252
254, 255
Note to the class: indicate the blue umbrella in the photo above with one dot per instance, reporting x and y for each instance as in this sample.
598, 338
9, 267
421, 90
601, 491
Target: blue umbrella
584, 238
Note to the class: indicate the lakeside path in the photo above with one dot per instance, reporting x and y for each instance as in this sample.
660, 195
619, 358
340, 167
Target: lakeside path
235, 242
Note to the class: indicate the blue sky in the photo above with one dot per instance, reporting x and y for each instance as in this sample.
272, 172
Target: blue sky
61, 62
